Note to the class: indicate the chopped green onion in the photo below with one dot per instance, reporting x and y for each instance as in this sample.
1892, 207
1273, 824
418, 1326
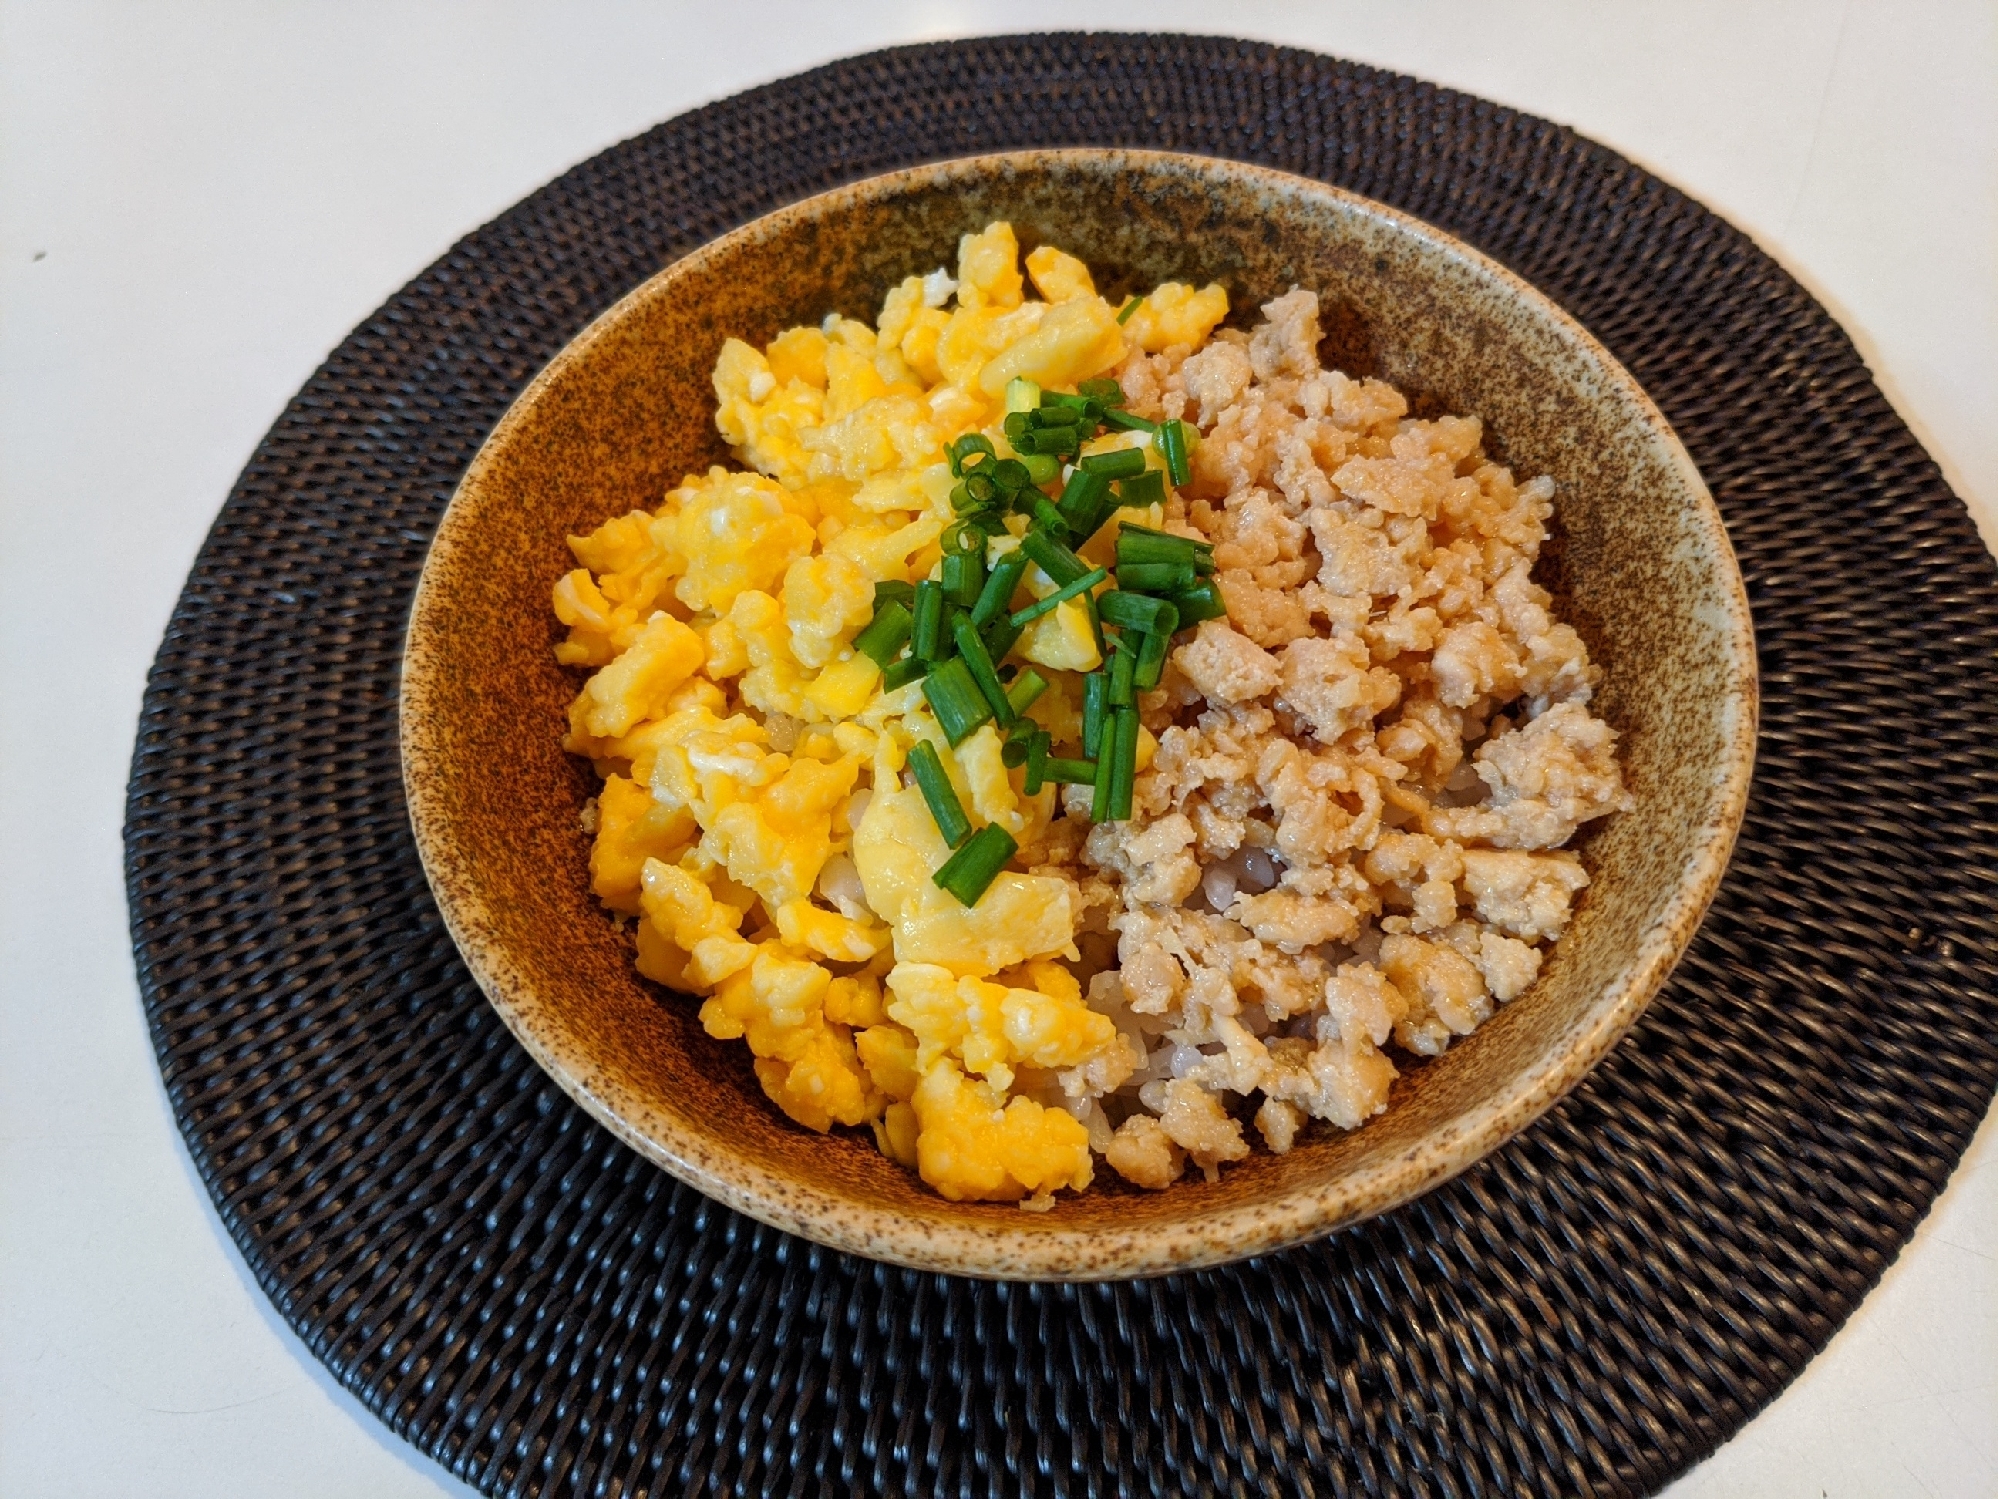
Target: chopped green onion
903, 672
1170, 440
903, 594
1124, 312
1140, 490
1137, 543
1099, 804
953, 695
1013, 754
1060, 564
964, 577
1025, 689
939, 793
1095, 708
1037, 761
969, 873
1060, 596
1055, 400
1125, 421
1202, 601
961, 537
1000, 637
1151, 662
1071, 772
1022, 394
998, 590
1041, 467
971, 648
1095, 623
882, 641
1082, 499
1133, 611
928, 632
1010, 474
967, 445
1118, 463
1123, 669
1123, 764
1105, 392
1165, 578
1048, 518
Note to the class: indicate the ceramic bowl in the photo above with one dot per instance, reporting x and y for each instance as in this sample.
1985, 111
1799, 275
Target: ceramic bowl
1639, 562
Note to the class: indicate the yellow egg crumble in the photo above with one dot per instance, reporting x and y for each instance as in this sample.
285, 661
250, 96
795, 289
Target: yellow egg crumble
753, 815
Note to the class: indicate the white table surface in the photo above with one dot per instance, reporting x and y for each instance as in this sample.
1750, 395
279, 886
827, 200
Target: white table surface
197, 201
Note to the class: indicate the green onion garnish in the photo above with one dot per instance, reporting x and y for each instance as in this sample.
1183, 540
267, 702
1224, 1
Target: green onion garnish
1123, 667
969, 873
1055, 400
903, 593
1041, 467
1142, 544
1202, 601
1124, 421
1099, 804
1170, 440
1081, 498
1010, 474
1071, 772
1013, 753
928, 631
998, 590
882, 641
1037, 761
1119, 463
1000, 637
1166, 578
953, 695
1022, 394
902, 673
971, 648
1106, 393
1060, 596
964, 577
1123, 764
939, 793
1141, 490
1095, 624
1095, 708
1053, 558
967, 445
1047, 517
1124, 312
1025, 689
1133, 611
1151, 662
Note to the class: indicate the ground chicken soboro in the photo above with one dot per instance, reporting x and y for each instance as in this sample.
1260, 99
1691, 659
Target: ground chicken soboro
1349, 837
1350, 796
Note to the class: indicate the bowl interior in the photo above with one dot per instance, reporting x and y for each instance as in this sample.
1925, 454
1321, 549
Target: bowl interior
1639, 562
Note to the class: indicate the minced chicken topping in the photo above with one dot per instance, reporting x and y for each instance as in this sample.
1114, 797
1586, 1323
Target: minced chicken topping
1350, 794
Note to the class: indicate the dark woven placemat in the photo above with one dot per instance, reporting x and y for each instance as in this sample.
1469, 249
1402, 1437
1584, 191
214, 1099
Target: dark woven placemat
1590, 1311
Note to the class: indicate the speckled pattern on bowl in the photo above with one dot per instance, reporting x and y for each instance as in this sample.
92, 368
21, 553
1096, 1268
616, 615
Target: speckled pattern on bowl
1639, 562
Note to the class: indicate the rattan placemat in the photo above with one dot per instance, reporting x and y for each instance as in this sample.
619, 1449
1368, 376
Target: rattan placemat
1590, 1311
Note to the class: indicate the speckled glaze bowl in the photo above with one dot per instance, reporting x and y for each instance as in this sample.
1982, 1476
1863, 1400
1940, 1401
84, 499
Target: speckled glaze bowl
1639, 562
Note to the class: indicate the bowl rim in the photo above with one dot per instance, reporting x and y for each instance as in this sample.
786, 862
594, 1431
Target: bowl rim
1040, 1248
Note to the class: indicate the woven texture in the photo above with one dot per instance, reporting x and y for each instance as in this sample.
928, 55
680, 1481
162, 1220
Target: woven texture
1589, 1312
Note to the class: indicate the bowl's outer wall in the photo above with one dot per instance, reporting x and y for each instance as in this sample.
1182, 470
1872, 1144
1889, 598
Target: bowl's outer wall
1639, 562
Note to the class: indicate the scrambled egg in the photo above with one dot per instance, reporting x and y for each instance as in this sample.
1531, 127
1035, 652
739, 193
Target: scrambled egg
753, 764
